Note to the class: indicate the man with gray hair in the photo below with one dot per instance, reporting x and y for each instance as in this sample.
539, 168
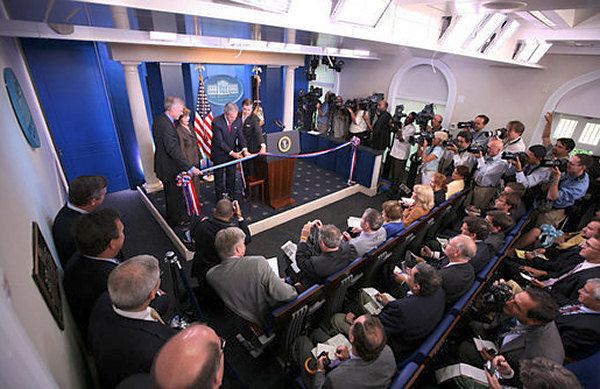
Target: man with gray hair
246, 284
328, 255
579, 324
370, 233
125, 333
228, 144
456, 271
169, 160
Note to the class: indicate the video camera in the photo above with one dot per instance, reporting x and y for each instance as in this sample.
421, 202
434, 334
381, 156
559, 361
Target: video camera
476, 149
426, 114
521, 156
561, 164
310, 98
499, 133
496, 296
398, 115
469, 124
419, 137
450, 142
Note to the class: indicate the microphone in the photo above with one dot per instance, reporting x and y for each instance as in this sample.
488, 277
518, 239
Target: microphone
279, 124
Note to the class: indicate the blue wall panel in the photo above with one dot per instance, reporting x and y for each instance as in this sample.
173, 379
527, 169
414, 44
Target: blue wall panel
72, 92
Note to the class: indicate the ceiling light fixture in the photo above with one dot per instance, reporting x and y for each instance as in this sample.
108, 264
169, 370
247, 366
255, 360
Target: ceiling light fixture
489, 27
504, 6
539, 52
457, 33
505, 34
359, 13
542, 18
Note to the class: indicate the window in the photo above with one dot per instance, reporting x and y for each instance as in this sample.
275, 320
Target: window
584, 130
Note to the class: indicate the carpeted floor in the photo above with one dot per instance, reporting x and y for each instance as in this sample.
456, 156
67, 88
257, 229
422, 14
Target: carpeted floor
144, 236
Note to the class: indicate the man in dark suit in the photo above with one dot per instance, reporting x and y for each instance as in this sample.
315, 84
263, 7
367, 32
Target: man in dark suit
99, 237
86, 193
499, 224
579, 324
531, 332
564, 289
226, 214
228, 144
477, 229
381, 126
169, 160
456, 271
409, 320
253, 134
321, 259
125, 332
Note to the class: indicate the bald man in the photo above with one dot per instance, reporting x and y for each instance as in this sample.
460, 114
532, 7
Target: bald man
488, 174
193, 358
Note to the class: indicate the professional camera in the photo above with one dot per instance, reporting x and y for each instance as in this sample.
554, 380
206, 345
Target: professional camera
398, 115
419, 137
309, 99
499, 133
495, 298
425, 115
521, 156
350, 103
561, 164
450, 142
476, 149
469, 124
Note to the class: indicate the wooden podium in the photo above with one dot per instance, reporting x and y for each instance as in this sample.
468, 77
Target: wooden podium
279, 172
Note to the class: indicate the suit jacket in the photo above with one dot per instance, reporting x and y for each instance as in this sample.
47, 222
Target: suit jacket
189, 144
317, 266
382, 131
482, 256
539, 341
62, 232
84, 281
123, 346
564, 292
495, 242
204, 235
225, 141
456, 280
253, 133
408, 321
249, 287
357, 374
169, 159
580, 334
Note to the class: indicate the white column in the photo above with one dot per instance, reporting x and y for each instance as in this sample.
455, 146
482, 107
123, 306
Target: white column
141, 125
119, 16
288, 98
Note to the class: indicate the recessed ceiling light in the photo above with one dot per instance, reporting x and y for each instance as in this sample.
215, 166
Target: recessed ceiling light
504, 5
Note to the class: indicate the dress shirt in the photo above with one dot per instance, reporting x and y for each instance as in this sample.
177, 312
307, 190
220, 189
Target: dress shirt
146, 314
536, 175
570, 190
75, 208
581, 267
432, 166
480, 138
400, 149
463, 157
367, 241
490, 171
515, 146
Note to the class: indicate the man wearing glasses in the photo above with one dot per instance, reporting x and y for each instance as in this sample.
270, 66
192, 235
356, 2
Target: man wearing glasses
564, 190
192, 358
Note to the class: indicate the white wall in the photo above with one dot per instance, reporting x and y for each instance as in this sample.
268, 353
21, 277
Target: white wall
582, 101
31, 191
503, 93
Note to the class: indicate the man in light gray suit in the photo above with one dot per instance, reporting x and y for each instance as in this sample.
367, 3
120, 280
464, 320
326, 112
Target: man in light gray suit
370, 233
371, 363
247, 285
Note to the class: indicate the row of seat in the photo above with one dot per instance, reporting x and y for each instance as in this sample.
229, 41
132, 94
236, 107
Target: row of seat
321, 301
410, 369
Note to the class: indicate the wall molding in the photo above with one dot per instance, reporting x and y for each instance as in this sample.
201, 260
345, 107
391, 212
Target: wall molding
438, 65
556, 97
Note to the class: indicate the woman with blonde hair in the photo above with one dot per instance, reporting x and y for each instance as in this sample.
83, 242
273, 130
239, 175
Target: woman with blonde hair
438, 184
422, 204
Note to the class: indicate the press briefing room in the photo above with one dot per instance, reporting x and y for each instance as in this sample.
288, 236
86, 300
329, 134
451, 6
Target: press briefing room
300, 194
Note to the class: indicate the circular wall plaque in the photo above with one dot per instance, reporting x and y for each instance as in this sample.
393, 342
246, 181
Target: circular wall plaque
21, 108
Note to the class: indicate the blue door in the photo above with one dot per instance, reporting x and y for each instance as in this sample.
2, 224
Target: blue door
73, 94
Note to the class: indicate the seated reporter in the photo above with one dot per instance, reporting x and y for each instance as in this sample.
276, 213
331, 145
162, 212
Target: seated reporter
319, 260
510, 204
529, 331
423, 203
125, 333
535, 373
392, 217
246, 284
371, 363
579, 323
499, 224
439, 187
564, 190
461, 178
370, 233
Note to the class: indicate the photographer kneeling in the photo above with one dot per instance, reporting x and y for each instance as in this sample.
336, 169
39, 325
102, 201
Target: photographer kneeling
527, 331
322, 252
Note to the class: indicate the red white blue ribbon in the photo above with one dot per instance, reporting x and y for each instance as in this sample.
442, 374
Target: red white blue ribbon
184, 180
355, 143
